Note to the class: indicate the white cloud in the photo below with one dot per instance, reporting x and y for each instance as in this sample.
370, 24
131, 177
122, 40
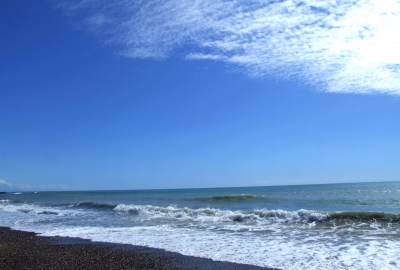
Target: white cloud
338, 46
5, 184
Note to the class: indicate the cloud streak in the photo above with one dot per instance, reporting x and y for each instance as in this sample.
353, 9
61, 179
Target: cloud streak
337, 46
3, 183
49, 187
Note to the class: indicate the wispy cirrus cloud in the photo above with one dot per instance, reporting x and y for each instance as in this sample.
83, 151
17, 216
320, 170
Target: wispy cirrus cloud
338, 46
3, 183
48, 187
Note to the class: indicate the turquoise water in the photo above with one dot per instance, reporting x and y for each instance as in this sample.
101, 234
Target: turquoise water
345, 226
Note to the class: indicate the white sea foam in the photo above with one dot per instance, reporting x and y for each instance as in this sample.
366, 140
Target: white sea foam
29, 208
285, 250
217, 216
34, 209
301, 239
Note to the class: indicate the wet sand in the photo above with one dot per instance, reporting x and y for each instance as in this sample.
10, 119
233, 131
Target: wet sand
26, 250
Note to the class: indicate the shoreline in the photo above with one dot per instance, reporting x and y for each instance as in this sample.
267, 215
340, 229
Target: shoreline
28, 250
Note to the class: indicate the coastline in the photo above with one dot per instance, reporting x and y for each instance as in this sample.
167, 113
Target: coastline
27, 250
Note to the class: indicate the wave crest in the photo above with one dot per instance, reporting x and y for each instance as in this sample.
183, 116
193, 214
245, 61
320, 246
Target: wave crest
216, 215
96, 205
365, 216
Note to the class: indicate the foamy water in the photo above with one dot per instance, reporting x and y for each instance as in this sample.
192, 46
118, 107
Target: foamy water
344, 226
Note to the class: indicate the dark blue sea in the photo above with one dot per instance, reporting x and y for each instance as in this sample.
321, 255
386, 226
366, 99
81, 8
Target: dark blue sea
335, 226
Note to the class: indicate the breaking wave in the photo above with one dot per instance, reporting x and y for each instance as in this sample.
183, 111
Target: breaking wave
260, 216
174, 213
216, 215
35, 209
31, 209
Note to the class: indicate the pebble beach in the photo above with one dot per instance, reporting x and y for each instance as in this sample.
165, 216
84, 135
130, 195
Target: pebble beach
27, 250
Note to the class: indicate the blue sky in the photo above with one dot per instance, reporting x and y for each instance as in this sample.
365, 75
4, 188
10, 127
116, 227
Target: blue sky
174, 94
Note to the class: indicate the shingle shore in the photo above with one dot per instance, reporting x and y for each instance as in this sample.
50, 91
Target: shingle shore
26, 250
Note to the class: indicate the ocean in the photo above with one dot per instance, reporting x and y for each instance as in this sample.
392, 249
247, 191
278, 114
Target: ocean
332, 226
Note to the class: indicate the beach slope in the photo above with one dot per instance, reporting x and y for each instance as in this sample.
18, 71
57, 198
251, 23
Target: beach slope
26, 250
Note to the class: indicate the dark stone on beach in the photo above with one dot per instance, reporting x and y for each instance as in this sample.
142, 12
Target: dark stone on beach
26, 250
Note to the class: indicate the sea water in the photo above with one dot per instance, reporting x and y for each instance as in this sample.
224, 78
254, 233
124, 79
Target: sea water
337, 226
